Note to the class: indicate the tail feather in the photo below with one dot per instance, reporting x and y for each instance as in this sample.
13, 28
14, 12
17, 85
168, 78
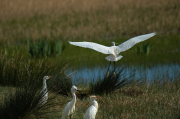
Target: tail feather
113, 58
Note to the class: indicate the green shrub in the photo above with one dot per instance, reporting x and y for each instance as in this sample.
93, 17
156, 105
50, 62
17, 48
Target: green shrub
45, 48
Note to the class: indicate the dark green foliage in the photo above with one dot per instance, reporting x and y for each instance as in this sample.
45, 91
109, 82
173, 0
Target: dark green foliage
45, 48
110, 83
17, 105
62, 84
143, 49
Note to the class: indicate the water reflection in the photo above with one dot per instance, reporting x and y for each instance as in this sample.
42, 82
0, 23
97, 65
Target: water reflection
157, 72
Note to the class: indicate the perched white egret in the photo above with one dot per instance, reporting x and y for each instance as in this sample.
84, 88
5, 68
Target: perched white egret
70, 107
92, 110
44, 91
114, 50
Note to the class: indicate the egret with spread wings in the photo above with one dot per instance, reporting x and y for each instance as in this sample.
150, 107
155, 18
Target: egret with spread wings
114, 50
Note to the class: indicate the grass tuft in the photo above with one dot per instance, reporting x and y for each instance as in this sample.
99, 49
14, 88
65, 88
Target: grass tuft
110, 83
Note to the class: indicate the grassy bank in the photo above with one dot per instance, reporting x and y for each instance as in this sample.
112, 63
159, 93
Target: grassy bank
156, 99
145, 101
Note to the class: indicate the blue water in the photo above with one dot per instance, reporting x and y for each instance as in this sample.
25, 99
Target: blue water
156, 72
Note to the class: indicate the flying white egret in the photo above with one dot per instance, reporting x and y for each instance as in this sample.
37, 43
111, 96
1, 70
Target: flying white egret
92, 110
44, 91
114, 50
70, 107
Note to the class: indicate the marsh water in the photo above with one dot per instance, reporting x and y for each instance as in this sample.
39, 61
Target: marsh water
158, 72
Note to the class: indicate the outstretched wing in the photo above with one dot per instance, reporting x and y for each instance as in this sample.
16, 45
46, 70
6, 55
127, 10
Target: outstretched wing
100, 48
131, 42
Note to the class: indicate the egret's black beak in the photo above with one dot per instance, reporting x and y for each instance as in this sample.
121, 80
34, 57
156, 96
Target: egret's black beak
79, 90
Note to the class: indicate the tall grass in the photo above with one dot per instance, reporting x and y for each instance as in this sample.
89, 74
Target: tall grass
19, 70
62, 84
44, 48
87, 20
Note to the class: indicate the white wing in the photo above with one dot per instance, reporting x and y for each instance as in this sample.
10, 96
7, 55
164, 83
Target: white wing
131, 42
100, 48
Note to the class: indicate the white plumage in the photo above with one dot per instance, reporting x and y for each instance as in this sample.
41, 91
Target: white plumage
92, 110
114, 50
70, 107
44, 91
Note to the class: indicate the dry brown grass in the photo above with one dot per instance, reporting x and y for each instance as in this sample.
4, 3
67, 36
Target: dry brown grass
23, 8
87, 19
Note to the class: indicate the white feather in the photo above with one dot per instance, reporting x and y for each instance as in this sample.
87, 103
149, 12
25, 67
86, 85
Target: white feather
131, 42
70, 107
100, 48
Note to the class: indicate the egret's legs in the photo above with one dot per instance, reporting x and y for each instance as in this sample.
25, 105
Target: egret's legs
108, 69
71, 116
114, 70
114, 66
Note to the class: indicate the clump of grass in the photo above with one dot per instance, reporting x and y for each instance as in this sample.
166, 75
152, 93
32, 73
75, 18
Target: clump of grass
110, 83
17, 70
44, 48
24, 103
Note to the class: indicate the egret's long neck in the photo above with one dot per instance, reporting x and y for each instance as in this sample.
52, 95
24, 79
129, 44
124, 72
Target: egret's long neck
74, 98
44, 84
95, 104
